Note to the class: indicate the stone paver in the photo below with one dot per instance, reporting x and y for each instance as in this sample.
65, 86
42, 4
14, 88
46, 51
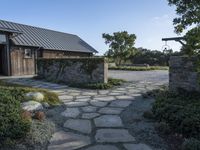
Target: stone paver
110, 110
113, 136
92, 117
89, 109
68, 141
137, 147
102, 147
98, 103
71, 112
108, 121
83, 126
76, 104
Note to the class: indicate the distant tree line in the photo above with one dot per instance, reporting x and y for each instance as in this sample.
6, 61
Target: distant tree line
152, 57
122, 51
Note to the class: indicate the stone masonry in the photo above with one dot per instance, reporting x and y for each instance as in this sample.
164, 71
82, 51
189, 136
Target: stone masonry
183, 73
73, 70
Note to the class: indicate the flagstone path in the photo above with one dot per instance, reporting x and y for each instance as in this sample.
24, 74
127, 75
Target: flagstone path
93, 116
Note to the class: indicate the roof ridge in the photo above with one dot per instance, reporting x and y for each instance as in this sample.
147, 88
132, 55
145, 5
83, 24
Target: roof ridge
38, 27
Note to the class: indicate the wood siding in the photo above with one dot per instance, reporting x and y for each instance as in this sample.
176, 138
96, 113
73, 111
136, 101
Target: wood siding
61, 54
21, 65
26, 66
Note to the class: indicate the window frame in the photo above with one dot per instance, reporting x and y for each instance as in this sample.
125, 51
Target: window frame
28, 51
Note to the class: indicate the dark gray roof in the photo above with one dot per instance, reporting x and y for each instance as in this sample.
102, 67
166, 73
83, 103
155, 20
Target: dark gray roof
45, 38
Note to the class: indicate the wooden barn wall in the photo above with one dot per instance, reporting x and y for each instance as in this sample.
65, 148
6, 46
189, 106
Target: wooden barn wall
61, 54
21, 65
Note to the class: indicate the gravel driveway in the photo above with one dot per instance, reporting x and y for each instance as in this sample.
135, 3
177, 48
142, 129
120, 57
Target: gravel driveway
160, 76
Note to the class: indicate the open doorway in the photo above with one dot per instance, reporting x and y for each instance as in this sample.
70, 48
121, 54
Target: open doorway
3, 62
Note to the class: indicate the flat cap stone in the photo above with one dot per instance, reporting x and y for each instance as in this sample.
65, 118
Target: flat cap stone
137, 147
113, 136
108, 121
83, 126
62, 140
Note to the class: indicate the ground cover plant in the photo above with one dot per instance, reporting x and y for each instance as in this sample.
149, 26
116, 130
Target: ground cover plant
111, 83
180, 113
18, 91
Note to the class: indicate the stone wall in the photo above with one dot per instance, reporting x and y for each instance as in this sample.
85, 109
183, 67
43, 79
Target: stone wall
73, 70
184, 73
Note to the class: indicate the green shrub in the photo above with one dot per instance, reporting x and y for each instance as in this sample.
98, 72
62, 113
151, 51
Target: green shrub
191, 144
163, 128
111, 83
181, 111
12, 126
148, 115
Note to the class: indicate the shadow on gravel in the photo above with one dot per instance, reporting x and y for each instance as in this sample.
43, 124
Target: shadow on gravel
142, 129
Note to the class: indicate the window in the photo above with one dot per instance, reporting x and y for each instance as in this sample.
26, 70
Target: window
2, 38
27, 53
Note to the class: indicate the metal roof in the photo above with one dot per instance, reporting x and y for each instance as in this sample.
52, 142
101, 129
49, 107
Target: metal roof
45, 38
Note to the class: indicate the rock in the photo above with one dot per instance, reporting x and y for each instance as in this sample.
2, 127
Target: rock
46, 105
31, 106
137, 147
83, 126
68, 141
35, 96
108, 121
113, 136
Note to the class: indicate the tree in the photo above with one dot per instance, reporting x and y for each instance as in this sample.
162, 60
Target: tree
192, 39
188, 11
121, 46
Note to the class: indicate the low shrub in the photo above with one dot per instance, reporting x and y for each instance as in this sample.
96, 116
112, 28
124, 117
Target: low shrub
191, 144
12, 124
148, 115
19, 91
163, 128
111, 83
131, 68
181, 111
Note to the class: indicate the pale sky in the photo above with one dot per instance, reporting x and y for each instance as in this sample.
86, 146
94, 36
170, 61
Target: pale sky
150, 20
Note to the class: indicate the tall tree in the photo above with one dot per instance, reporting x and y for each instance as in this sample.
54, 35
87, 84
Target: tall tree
121, 46
188, 11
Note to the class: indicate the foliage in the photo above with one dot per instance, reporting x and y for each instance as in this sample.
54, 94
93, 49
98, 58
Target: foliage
129, 68
18, 91
148, 115
188, 11
163, 128
121, 46
192, 38
111, 83
152, 57
181, 111
12, 125
40, 132
191, 144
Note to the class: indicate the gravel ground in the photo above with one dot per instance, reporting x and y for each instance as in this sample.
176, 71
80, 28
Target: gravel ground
160, 76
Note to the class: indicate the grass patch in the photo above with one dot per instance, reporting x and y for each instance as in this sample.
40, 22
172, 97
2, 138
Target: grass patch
18, 91
111, 83
131, 68
181, 111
